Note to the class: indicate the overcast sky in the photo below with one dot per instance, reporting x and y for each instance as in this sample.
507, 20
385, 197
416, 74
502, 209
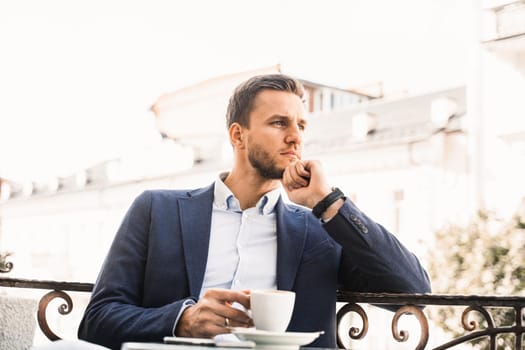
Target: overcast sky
77, 77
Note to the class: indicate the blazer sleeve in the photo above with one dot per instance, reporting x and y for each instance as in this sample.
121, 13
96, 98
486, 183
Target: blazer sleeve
373, 259
115, 312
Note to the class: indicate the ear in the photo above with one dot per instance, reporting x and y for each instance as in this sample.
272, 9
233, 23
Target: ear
237, 137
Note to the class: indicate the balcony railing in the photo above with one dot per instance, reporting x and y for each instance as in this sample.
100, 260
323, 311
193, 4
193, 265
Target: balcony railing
406, 304
57, 290
412, 304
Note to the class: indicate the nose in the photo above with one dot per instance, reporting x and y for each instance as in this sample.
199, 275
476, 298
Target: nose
295, 135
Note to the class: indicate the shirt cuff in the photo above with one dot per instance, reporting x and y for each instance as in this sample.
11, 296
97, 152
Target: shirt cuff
330, 218
187, 303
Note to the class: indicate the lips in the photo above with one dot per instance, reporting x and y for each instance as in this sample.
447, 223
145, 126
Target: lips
291, 154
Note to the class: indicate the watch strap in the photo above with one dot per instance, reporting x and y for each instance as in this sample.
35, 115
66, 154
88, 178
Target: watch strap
327, 201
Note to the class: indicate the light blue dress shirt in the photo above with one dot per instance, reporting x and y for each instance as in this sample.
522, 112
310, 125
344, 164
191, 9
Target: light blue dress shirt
242, 253
243, 243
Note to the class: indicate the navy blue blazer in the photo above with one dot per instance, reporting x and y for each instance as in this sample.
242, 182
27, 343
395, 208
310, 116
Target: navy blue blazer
158, 259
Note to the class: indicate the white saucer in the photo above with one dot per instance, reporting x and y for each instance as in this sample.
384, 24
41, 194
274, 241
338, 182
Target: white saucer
276, 340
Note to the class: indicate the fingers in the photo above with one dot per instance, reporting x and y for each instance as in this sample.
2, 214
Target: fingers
296, 176
226, 306
208, 316
300, 174
238, 321
236, 317
305, 182
197, 321
229, 296
221, 302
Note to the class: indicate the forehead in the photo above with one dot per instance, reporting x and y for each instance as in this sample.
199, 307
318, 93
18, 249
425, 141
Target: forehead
279, 102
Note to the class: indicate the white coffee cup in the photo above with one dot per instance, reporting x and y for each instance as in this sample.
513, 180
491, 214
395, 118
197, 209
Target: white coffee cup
272, 309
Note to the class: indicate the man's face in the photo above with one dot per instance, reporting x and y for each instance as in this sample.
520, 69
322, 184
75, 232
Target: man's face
275, 136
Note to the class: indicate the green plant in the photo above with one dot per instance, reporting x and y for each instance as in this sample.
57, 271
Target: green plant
486, 257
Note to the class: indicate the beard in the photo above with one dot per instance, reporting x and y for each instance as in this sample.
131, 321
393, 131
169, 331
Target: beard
263, 163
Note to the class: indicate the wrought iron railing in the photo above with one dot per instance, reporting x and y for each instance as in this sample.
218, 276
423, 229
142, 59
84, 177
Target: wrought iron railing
411, 304
58, 290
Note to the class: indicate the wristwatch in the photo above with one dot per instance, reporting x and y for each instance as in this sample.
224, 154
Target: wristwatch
327, 201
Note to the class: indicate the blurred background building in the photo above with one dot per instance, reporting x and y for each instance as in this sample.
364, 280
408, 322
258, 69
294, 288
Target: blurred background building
399, 158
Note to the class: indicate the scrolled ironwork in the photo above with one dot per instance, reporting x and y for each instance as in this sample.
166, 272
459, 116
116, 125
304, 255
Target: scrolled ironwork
351, 300
353, 332
6, 267
58, 288
473, 324
491, 331
402, 335
63, 309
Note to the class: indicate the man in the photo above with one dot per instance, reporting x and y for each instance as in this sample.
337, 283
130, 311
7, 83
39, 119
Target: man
183, 262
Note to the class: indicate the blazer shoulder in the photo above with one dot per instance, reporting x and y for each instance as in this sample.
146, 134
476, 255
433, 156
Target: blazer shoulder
294, 208
297, 211
169, 194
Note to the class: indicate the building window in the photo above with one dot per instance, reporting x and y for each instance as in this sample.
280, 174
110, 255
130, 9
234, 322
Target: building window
399, 196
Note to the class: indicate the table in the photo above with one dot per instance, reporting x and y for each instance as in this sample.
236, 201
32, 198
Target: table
159, 346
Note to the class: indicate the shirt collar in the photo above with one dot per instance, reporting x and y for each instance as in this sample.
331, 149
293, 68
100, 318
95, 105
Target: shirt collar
223, 198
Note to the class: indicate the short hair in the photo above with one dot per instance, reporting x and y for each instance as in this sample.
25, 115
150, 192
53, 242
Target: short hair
241, 102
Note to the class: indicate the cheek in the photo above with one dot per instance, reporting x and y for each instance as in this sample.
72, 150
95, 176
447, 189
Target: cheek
267, 138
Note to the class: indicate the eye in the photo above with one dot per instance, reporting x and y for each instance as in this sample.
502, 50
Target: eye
279, 123
301, 126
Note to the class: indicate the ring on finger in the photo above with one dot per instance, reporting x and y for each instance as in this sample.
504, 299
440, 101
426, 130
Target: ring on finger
226, 322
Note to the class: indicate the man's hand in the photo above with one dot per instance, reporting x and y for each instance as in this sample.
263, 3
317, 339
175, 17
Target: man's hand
213, 314
305, 183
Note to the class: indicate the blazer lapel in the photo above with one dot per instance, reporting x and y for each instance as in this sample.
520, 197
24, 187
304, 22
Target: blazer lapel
195, 217
291, 238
